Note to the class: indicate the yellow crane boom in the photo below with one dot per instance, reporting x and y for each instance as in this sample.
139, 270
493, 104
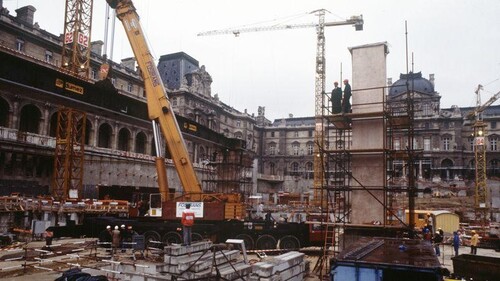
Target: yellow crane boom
159, 106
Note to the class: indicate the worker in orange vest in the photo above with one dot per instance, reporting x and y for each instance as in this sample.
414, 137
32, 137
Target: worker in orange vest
187, 222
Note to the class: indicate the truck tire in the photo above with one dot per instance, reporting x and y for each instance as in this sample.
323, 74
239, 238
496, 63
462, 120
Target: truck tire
150, 236
289, 242
247, 239
265, 241
171, 237
195, 237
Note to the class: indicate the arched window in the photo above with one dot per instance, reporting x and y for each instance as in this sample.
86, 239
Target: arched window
140, 142
272, 168
30, 119
53, 125
295, 168
124, 139
105, 132
4, 113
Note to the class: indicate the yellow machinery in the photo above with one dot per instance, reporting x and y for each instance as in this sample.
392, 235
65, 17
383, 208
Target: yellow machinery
161, 113
481, 190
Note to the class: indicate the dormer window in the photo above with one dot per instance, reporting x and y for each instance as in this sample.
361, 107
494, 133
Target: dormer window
20, 45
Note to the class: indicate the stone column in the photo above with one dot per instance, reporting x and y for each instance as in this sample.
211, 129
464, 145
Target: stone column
368, 134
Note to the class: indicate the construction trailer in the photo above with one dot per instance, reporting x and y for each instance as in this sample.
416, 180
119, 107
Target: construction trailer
384, 259
443, 219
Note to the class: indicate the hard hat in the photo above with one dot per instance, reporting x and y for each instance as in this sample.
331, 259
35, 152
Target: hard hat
116, 227
473, 231
123, 226
108, 227
437, 232
129, 227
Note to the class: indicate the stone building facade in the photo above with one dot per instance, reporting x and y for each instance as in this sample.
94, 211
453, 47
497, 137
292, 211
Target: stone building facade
119, 144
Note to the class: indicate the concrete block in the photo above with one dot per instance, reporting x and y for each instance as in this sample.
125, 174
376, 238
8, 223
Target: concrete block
177, 250
235, 271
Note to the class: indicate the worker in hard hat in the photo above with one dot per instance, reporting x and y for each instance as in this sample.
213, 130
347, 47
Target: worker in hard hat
474, 241
116, 238
105, 237
437, 240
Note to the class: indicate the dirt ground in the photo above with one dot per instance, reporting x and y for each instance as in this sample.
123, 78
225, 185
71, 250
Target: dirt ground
20, 270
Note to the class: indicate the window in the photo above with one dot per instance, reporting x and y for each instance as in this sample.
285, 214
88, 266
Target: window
48, 56
93, 73
238, 123
272, 168
295, 149
493, 143
446, 143
296, 134
426, 110
20, 45
272, 134
174, 102
427, 144
310, 133
272, 149
310, 149
493, 124
471, 143
130, 87
446, 125
397, 144
295, 167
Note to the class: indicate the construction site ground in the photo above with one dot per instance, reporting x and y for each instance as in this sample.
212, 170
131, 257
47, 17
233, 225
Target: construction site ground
82, 253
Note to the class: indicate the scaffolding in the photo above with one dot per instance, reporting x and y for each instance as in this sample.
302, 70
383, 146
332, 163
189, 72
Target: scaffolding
67, 182
229, 170
347, 164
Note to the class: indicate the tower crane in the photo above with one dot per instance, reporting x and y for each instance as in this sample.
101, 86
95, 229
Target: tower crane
76, 44
481, 191
357, 22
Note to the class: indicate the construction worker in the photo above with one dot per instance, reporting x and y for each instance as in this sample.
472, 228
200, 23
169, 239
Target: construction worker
336, 98
430, 222
346, 104
473, 243
456, 242
437, 240
187, 222
116, 238
49, 235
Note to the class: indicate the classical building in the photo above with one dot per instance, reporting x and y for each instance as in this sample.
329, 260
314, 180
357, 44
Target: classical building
119, 141
119, 148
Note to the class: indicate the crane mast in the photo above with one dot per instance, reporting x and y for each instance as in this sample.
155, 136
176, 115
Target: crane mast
77, 29
481, 190
159, 106
319, 89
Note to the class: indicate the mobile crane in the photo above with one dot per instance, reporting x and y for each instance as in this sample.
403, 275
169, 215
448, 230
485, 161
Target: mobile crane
221, 219
161, 113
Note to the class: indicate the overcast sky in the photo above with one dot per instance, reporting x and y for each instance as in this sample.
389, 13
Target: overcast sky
456, 40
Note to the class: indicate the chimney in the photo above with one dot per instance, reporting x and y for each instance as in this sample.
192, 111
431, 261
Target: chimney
389, 81
96, 47
128, 63
26, 14
431, 79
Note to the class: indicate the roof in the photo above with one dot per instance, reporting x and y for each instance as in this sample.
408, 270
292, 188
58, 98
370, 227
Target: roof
416, 83
179, 55
390, 252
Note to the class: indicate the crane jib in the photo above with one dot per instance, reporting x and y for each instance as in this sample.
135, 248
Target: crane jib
155, 80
